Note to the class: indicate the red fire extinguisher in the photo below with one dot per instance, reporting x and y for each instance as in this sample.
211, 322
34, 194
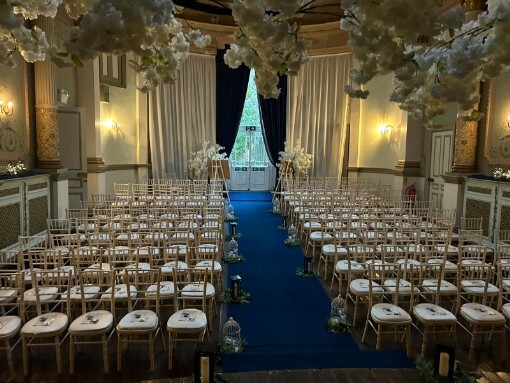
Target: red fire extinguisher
411, 193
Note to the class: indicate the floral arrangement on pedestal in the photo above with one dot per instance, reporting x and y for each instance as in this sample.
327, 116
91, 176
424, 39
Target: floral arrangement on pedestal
147, 28
15, 169
197, 165
301, 161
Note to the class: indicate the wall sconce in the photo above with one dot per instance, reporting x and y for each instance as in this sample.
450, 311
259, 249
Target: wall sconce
384, 130
6, 108
113, 125
508, 121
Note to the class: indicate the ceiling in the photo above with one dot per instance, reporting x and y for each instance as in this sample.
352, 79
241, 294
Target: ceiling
218, 12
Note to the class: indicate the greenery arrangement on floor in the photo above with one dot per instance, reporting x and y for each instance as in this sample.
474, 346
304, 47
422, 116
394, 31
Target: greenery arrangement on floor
231, 219
235, 259
243, 298
221, 347
460, 374
337, 326
310, 274
230, 236
292, 242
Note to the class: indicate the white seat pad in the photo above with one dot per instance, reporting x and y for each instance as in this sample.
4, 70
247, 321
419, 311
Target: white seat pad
312, 225
196, 290
360, 287
474, 286
187, 320
138, 320
183, 235
7, 295
45, 324
343, 267
46, 293
146, 251
318, 235
9, 326
168, 267
89, 292
329, 249
166, 289
505, 309
403, 288
430, 285
120, 292
428, 312
174, 249
93, 321
448, 265
207, 265
99, 266
475, 312
385, 312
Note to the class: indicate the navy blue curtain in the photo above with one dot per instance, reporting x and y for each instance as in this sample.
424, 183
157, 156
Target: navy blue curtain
231, 85
273, 116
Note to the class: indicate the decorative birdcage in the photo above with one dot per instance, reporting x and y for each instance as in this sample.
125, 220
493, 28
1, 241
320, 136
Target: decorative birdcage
232, 336
338, 310
292, 232
276, 206
230, 212
232, 250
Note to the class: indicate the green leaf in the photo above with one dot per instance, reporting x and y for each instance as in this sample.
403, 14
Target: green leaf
475, 113
409, 56
62, 54
451, 31
77, 61
415, 63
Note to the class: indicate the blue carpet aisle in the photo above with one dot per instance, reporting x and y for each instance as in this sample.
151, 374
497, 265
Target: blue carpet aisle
284, 324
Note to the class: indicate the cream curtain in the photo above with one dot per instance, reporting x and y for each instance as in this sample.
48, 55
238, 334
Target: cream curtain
182, 116
317, 111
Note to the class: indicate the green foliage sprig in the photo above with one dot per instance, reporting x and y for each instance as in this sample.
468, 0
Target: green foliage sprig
310, 274
292, 242
237, 259
229, 237
243, 298
460, 374
337, 326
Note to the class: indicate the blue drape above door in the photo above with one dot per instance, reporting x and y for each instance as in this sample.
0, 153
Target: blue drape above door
231, 85
273, 116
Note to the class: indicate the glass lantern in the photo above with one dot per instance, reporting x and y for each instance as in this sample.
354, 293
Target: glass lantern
232, 336
276, 206
292, 232
230, 212
232, 249
338, 310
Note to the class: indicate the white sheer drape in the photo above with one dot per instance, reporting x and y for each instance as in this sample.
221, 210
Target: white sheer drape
182, 116
317, 111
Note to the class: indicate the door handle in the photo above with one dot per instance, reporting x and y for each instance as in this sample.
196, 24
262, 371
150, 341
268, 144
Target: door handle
430, 179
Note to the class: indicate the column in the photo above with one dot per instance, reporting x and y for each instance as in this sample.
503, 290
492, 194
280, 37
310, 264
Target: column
46, 117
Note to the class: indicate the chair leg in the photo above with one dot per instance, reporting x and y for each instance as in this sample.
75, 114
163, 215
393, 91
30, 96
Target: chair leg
58, 355
170, 349
119, 352
162, 335
473, 343
105, 353
378, 344
151, 351
424, 341
71, 354
9, 357
408, 340
25, 357
364, 332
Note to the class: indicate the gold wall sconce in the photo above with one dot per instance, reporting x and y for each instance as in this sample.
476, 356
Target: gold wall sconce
384, 130
112, 125
6, 108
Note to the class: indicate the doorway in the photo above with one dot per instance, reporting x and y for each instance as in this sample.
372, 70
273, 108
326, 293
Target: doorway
441, 156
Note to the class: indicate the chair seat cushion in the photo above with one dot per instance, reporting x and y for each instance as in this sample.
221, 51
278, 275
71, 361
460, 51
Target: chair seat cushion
320, 236
404, 287
166, 289
7, 294
474, 286
138, 320
187, 320
431, 314
168, 267
506, 284
97, 321
120, 292
343, 267
176, 249
431, 286
99, 266
478, 313
407, 263
45, 325
9, 326
331, 249
183, 235
385, 312
46, 293
361, 286
505, 309
196, 290
448, 265
207, 265
312, 225
89, 292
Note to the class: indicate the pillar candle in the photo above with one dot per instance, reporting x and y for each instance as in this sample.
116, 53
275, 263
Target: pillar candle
204, 370
444, 360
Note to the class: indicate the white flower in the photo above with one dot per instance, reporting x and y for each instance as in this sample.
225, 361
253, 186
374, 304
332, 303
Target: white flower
197, 164
301, 161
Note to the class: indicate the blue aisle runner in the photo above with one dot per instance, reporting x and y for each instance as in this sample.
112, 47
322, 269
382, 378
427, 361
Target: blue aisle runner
284, 324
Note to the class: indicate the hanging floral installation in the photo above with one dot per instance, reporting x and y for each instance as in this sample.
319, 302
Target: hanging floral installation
301, 161
147, 28
434, 55
197, 164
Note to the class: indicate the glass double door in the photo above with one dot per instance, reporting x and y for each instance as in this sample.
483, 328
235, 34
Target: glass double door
250, 168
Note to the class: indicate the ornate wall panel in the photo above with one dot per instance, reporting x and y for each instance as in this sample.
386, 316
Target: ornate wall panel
11, 224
